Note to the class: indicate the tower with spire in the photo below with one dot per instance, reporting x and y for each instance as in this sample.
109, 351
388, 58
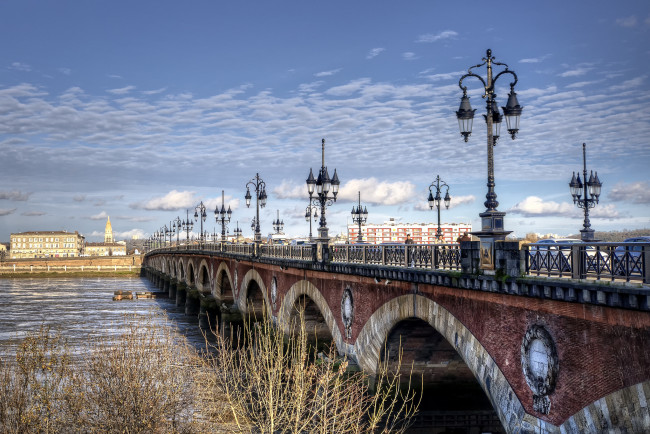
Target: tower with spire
108, 233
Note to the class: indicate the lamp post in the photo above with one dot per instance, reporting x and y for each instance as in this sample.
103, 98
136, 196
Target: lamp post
222, 216
435, 200
591, 188
188, 225
177, 225
492, 219
199, 214
323, 187
359, 216
238, 232
278, 225
310, 212
259, 186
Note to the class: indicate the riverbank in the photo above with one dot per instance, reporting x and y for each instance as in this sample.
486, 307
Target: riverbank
104, 266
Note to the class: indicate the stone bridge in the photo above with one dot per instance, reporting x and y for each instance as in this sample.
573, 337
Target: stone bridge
549, 355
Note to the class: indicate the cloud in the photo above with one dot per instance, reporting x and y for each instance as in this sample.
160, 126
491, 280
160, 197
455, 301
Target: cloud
534, 206
4, 211
605, 211
14, 195
455, 201
33, 213
327, 73
154, 92
576, 72
635, 192
127, 235
409, 56
65, 71
535, 59
288, 190
172, 201
101, 216
626, 21
376, 192
19, 66
429, 37
122, 90
79, 197
374, 53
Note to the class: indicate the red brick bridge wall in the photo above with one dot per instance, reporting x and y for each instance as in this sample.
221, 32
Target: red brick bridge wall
599, 357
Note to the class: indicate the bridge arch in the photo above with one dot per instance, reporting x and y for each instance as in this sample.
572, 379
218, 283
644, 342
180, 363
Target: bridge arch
304, 288
203, 277
180, 274
369, 347
223, 287
252, 289
189, 279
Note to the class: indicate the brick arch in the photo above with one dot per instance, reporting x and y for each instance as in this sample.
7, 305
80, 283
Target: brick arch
189, 274
181, 272
304, 287
252, 275
223, 272
369, 345
203, 278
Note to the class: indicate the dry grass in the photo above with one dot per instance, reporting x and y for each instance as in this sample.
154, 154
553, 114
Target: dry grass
274, 385
147, 380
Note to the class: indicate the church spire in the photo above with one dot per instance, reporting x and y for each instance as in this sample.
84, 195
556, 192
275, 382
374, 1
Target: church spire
108, 233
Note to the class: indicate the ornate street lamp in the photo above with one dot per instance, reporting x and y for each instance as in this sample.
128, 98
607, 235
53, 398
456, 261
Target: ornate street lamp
223, 217
278, 225
435, 200
200, 214
259, 186
310, 212
325, 189
591, 190
188, 225
492, 219
359, 216
238, 232
177, 225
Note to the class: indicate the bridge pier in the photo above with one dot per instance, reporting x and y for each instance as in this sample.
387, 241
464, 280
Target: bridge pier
181, 290
172, 289
192, 302
208, 313
165, 283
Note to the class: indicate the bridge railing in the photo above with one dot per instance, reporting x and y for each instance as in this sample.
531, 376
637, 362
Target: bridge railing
610, 261
302, 253
430, 256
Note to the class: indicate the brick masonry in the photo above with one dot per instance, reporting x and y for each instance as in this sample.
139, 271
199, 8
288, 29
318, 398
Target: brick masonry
603, 355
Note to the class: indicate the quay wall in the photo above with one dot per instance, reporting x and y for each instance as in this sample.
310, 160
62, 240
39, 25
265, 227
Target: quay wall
92, 265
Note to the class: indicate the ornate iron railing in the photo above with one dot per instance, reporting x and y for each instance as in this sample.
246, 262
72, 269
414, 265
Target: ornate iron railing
608, 261
430, 256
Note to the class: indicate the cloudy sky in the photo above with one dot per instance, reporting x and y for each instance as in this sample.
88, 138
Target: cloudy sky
139, 110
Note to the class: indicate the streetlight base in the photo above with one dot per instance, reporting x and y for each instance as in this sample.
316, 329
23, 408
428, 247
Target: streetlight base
491, 232
587, 235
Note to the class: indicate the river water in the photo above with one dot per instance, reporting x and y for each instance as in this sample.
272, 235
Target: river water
81, 309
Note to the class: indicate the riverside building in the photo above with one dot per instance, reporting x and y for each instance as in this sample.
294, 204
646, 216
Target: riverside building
46, 244
395, 232
109, 247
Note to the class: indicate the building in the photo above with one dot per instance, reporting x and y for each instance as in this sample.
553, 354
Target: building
109, 247
46, 244
395, 232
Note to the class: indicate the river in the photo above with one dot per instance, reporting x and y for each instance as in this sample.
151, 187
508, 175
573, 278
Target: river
80, 308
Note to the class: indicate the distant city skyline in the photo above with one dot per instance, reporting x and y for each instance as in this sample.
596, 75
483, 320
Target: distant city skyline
140, 110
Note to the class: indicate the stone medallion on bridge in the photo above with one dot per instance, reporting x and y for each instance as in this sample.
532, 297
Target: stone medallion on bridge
540, 365
347, 312
274, 291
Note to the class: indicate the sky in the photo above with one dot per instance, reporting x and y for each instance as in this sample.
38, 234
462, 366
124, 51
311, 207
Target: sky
140, 110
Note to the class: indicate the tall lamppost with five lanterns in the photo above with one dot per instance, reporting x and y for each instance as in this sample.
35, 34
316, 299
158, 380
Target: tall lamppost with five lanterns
492, 227
591, 188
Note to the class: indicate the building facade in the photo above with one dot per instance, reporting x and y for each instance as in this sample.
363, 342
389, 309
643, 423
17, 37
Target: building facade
46, 244
109, 247
396, 232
